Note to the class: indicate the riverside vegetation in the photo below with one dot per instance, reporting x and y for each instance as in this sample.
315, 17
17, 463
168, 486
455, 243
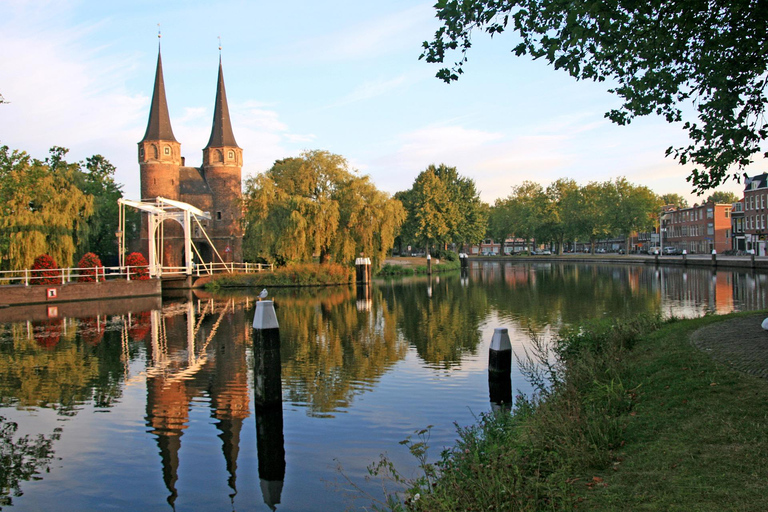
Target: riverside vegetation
295, 274
627, 415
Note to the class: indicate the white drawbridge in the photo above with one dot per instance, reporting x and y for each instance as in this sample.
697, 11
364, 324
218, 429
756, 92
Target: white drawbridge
160, 210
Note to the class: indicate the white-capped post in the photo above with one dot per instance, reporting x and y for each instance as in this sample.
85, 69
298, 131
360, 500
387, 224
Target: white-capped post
500, 353
363, 269
500, 368
268, 396
264, 317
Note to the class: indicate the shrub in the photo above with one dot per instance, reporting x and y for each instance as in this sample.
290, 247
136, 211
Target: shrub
91, 268
46, 270
139, 268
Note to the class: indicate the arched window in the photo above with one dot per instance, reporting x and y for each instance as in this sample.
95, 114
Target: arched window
154, 151
219, 156
231, 155
167, 150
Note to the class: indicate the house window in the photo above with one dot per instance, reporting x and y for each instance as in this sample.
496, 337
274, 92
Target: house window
231, 155
218, 215
141, 152
167, 150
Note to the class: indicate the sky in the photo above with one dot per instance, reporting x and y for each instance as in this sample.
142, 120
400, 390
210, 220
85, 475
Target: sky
340, 76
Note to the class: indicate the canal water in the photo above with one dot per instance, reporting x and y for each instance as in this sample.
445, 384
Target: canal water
149, 405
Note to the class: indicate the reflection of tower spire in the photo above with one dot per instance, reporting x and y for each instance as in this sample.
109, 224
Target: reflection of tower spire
229, 397
167, 414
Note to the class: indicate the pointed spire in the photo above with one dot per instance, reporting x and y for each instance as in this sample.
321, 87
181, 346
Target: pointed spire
159, 125
221, 134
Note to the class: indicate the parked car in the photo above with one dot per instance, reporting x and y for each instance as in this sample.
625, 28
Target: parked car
670, 250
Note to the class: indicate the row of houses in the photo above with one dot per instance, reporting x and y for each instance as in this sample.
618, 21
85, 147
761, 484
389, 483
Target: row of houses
698, 229
739, 227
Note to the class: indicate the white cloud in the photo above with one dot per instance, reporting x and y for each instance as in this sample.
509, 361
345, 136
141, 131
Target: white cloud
369, 90
380, 35
299, 138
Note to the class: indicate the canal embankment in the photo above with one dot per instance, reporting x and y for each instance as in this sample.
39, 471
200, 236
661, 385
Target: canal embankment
636, 418
691, 260
20, 302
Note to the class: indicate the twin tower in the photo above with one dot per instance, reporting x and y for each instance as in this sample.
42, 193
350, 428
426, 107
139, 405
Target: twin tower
215, 187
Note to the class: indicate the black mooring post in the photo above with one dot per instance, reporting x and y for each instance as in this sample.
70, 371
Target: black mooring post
268, 399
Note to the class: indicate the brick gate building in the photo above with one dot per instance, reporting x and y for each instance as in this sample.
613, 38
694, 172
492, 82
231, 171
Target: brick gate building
215, 187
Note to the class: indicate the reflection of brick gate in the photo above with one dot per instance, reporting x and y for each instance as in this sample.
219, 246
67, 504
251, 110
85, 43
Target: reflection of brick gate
158, 212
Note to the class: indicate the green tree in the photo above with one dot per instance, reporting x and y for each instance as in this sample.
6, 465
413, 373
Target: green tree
722, 197
98, 235
523, 214
443, 207
674, 199
499, 221
563, 206
594, 211
41, 208
314, 205
636, 208
432, 209
468, 224
667, 58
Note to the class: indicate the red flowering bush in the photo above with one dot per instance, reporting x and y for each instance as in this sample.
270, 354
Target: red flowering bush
91, 268
45, 271
139, 266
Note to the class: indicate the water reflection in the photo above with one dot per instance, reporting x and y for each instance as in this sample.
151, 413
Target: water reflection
332, 350
444, 323
183, 370
197, 350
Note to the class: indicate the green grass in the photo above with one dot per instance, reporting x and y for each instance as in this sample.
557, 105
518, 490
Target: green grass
409, 270
309, 274
699, 437
637, 419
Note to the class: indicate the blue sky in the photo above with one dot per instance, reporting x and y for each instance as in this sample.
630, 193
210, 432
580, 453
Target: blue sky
342, 76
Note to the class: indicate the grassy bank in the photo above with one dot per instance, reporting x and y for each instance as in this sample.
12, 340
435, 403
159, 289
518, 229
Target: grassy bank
291, 275
636, 419
389, 269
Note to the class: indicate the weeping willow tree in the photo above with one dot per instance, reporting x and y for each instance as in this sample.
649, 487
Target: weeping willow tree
315, 206
42, 210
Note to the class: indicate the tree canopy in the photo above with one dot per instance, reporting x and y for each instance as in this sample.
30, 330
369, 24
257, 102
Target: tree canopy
674, 199
665, 57
314, 205
443, 207
566, 212
722, 197
42, 211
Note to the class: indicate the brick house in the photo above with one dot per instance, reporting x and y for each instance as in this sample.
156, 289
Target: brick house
755, 204
698, 229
